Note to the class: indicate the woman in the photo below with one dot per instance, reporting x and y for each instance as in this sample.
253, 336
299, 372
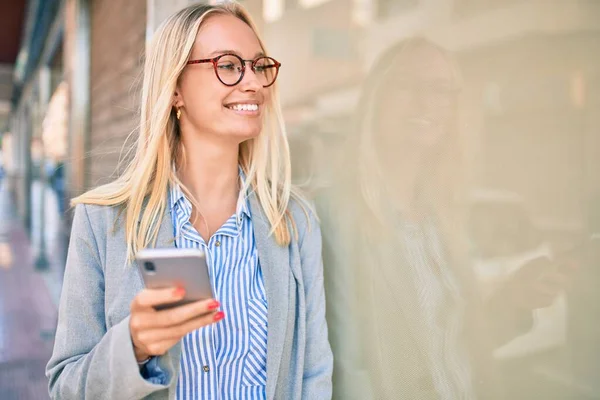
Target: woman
405, 317
207, 174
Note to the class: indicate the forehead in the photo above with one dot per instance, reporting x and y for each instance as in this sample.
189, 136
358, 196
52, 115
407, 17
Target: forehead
423, 64
225, 32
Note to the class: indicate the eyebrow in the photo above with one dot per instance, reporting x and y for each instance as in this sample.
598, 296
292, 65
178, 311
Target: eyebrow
217, 52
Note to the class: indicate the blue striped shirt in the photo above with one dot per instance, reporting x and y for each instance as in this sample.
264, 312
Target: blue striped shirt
228, 359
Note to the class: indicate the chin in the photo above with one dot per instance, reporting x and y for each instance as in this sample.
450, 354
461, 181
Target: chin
429, 141
244, 134
426, 138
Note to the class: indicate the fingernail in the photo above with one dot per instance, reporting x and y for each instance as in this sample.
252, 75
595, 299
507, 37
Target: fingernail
179, 292
214, 305
219, 316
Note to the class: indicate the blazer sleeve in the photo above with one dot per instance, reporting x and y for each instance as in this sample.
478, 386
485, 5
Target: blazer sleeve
318, 362
351, 378
88, 360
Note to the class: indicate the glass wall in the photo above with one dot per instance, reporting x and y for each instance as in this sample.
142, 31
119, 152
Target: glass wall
451, 149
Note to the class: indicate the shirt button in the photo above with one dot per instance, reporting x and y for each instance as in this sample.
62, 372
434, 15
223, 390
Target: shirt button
206, 368
217, 243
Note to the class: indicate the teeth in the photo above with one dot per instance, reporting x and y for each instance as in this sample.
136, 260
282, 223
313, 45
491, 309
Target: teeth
245, 107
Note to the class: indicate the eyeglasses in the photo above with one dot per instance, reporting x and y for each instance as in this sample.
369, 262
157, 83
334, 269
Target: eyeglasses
230, 68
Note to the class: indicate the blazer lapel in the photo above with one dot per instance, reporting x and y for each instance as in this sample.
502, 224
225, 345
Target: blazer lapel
165, 238
165, 232
397, 285
274, 262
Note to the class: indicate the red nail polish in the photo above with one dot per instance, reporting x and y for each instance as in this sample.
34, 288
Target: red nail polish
214, 305
219, 316
179, 292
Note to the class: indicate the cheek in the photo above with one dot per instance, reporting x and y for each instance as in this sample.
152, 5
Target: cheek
388, 121
205, 105
267, 94
202, 91
396, 103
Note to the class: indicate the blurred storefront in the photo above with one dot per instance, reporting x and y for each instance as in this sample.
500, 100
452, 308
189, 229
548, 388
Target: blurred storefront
37, 72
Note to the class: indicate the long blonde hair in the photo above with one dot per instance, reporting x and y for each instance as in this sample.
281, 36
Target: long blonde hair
363, 180
443, 187
142, 188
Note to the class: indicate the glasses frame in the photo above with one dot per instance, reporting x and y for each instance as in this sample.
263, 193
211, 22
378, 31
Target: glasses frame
215, 61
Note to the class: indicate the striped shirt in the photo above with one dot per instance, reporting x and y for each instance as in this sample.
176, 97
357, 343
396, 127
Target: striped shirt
228, 359
442, 308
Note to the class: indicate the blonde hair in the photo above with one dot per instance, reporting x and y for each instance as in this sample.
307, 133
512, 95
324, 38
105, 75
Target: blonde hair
142, 188
443, 188
364, 180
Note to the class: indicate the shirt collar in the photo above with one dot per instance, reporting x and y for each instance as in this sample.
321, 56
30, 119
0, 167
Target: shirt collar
243, 205
177, 196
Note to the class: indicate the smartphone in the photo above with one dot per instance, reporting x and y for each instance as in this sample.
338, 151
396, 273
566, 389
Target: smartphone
171, 267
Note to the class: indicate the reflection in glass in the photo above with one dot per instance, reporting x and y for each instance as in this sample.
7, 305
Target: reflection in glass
409, 317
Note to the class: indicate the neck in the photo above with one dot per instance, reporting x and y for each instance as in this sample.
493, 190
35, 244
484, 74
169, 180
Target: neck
210, 171
403, 189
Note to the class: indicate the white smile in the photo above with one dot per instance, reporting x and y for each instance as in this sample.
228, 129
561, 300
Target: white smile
243, 107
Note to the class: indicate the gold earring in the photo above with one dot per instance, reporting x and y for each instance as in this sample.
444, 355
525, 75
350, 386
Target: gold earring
179, 113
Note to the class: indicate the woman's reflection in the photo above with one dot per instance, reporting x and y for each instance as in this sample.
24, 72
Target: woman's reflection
405, 316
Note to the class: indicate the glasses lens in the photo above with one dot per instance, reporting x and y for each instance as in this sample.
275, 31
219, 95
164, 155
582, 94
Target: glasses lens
265, 69
229, 68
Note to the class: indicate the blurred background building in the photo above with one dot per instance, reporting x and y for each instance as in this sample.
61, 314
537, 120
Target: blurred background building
69, 92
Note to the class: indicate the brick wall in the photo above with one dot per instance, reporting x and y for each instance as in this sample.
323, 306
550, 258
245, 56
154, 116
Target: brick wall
118, 41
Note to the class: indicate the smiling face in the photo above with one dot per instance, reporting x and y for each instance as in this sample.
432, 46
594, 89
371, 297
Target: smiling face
418, 101
209, 107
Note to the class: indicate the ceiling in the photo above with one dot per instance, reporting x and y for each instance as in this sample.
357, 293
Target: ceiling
12, 16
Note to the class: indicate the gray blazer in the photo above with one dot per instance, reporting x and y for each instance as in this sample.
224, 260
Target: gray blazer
93, 355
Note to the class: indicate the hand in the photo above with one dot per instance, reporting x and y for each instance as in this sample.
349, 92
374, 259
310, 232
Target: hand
153, 332
536, 284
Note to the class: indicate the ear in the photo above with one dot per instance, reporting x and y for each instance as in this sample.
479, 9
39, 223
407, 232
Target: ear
177, 98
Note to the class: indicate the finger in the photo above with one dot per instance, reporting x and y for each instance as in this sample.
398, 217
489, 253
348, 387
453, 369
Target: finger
543, 301
555, 280
153, 297
148, 340
571, 266
534, 267
548, 291
161, 347
178, 315
548, 288
140, 321
179, 331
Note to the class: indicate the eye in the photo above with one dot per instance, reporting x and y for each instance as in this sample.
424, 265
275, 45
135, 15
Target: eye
229, 63
263, 65
263, 68
226, 66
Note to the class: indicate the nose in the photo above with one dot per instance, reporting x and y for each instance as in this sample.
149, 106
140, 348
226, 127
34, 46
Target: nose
425, 102
250, 81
